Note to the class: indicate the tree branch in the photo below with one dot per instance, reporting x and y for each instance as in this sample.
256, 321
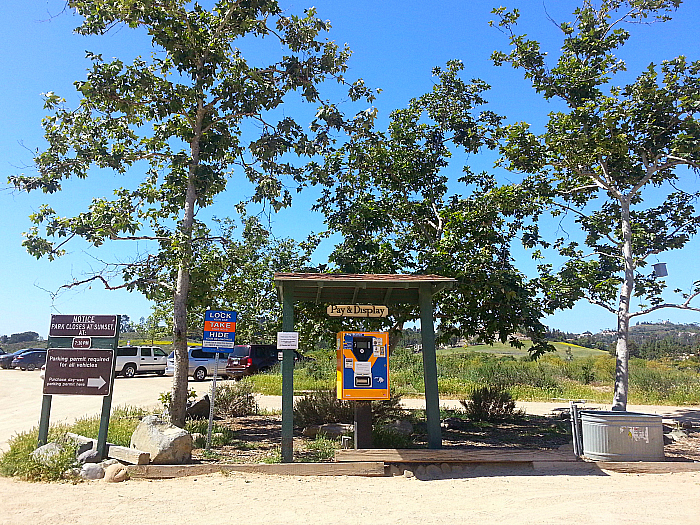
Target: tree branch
684, 306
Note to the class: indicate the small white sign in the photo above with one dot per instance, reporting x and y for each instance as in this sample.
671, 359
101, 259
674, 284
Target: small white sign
288, 340
349, 362
363, 368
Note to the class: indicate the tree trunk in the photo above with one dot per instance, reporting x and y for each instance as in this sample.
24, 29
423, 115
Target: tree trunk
178, 404
623, 319
395, 337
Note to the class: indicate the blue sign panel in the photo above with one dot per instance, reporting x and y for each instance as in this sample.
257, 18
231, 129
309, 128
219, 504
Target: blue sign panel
219, 330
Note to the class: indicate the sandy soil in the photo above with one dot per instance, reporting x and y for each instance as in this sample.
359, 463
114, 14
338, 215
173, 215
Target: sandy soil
493, 497
482, 495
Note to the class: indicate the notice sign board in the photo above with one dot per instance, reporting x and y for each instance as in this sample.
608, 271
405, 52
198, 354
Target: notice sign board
83, 326
219, 330
84, 372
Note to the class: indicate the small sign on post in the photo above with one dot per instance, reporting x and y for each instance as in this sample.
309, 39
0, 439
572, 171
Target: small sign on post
287, 340
219, 336
219, 330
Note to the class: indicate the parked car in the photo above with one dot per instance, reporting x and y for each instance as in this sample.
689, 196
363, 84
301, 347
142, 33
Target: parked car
6, 360
30, 360
247, 360
202, 364
132, 360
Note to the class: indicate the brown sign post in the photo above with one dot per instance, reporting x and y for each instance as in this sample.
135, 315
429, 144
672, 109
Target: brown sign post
80, 361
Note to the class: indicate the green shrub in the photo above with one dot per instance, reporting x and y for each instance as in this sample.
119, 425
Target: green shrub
383, 437
235, 400
221, 435
489, 403
18, 461
322, 406
322, 448
122, 423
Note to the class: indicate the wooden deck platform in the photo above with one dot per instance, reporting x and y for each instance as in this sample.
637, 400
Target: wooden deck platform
453, 456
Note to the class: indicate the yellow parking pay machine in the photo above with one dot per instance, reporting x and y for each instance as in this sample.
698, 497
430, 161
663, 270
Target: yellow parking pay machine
363, 365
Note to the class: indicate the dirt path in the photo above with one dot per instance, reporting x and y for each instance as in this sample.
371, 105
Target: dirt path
503, 497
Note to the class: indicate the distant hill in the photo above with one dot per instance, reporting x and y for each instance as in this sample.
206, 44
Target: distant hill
647, 340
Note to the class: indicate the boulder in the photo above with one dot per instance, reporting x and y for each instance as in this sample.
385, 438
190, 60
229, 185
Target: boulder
89, 456
433, 471
332, 430
92, 471
400, 426
116, 473
45, 453
199, 408
166, 443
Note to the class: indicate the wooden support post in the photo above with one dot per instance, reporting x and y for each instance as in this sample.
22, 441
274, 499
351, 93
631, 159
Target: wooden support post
44, 420
107, 400
287, 376
363, 424
432, 400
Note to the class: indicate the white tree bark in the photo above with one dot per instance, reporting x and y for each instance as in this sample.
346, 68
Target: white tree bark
623, 312
178, 405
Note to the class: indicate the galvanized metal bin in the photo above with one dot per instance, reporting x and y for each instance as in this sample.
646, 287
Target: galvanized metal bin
622, 436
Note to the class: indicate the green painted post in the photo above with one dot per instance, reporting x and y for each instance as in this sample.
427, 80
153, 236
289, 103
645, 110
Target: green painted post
44, 421
432, 400
287, 376
107, 400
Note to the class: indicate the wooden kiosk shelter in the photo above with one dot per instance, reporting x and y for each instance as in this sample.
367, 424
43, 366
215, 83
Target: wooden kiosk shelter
377, 289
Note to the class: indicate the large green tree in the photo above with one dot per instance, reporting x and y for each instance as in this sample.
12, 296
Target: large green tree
182, 114
389, 194
618, 159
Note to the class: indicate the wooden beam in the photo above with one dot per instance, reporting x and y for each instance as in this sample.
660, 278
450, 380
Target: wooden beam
124, 454
450, 456
289, 469
649, 467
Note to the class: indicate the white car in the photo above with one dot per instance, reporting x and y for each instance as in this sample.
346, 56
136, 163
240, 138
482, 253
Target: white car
201, 364
132, 360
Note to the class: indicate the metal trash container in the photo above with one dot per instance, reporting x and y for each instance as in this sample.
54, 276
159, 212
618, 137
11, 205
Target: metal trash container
622, 436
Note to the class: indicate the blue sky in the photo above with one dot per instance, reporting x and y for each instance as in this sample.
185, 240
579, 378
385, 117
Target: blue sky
395, 45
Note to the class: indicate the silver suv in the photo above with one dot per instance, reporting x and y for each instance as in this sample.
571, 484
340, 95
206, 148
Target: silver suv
201, 364
132, 360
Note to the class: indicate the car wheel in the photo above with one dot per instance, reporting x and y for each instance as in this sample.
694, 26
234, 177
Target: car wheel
30, 367
129, 371
200, 374
160, 372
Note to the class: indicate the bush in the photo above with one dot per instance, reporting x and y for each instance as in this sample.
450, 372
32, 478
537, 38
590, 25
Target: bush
489, 403
322, 448
322, 406
235, 400
383, 437
18, 461
221, 435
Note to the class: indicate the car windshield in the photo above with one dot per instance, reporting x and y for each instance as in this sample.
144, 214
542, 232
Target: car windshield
240, 351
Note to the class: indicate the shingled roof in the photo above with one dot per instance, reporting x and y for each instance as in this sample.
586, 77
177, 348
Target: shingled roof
377, 289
